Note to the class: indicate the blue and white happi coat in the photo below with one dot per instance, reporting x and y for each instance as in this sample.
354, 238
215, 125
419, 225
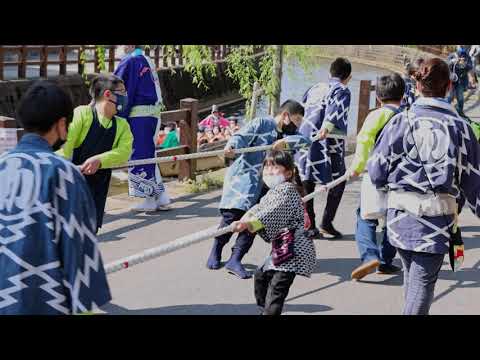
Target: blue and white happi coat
324, 161
243, 182
49, 257
451, 155
409, 95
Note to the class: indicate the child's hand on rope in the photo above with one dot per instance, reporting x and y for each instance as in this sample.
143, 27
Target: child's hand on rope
239, 226
280, 145
229, 152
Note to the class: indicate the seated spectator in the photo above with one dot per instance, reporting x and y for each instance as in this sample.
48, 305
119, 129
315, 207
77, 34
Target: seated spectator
233, 125
227, 133
161, 135
171, 139
214, 119
218, 136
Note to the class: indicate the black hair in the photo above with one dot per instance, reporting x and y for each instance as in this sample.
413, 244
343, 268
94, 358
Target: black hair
293, 107
42, 106
341, 68
390, 87
233, 119
172, 125
102, 83
412, 68
285, 159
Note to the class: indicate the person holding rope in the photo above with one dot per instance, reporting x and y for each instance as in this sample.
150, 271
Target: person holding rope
428, 159
279, 220
143, 114
324, 161
390, 90
410, 87
98, 139
50, 263
243, 186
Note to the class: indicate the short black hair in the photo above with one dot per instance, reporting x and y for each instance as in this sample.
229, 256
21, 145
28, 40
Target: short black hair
42, 106
390, 87
172, 125
341, 68
293, 107
103, 82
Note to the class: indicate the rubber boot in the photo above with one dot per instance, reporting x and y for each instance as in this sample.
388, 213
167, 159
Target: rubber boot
234, 265
214, 260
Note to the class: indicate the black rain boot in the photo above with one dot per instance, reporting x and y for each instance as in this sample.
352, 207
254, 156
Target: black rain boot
234, 265
215, 258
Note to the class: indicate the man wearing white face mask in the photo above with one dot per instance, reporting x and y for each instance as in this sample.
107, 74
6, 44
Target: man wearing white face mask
243, 186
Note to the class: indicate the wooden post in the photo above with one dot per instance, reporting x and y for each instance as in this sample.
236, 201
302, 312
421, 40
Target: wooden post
63, 60
363, 103
188, 136
164, 56
2, 59
43, 61
111, 58
22, 66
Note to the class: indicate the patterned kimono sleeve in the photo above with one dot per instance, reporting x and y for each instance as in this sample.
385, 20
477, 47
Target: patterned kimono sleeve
274, 212
243, 137
128, 72
84, 275
379, 161
336, 112
470, 176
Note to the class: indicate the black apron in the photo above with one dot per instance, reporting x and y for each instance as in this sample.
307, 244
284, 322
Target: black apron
97, 141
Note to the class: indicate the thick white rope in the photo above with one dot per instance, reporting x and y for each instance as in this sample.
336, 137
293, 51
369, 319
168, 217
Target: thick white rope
191, 239
205, 154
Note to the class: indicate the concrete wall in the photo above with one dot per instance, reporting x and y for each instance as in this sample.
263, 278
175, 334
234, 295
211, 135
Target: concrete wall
385, 56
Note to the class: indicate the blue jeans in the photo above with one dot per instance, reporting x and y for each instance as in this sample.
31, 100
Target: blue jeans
420, 274
367, 242
457, 91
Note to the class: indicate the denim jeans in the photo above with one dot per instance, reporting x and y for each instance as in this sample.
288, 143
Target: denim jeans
420, 274
457, 91
366, 239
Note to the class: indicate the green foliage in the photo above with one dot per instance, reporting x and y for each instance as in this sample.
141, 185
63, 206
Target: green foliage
101, 51
206, 182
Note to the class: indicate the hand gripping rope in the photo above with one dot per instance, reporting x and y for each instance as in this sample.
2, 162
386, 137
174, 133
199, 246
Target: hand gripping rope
188, 240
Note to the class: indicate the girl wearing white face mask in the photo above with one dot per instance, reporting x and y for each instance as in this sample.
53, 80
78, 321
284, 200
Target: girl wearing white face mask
279, 220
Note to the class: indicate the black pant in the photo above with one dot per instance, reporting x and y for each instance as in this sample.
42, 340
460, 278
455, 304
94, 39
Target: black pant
244, 239
333, 201
271, 290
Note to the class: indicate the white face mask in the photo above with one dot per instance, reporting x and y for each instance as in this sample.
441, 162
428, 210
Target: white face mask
273, 180
167, 130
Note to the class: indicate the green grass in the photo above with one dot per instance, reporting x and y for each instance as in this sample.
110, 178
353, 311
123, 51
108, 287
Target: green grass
204, 183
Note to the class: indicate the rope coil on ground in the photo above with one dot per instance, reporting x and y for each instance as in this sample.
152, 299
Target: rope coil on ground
188, 240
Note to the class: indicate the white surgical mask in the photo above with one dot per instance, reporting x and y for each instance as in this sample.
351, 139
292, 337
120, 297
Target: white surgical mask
273, 180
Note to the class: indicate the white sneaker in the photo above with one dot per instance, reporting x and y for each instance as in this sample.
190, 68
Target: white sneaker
163, 200
149, 204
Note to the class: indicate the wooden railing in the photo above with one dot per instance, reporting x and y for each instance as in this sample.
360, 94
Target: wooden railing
186, 118
39, 58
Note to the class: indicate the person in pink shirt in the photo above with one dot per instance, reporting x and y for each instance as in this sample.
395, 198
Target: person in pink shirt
214, 119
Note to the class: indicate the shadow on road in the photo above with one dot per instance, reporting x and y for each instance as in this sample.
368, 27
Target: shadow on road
198, 208
211, 309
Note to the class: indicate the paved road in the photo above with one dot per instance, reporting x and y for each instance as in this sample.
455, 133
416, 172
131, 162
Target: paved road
179, 283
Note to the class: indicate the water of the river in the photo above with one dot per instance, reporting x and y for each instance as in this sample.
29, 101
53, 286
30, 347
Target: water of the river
295, 82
